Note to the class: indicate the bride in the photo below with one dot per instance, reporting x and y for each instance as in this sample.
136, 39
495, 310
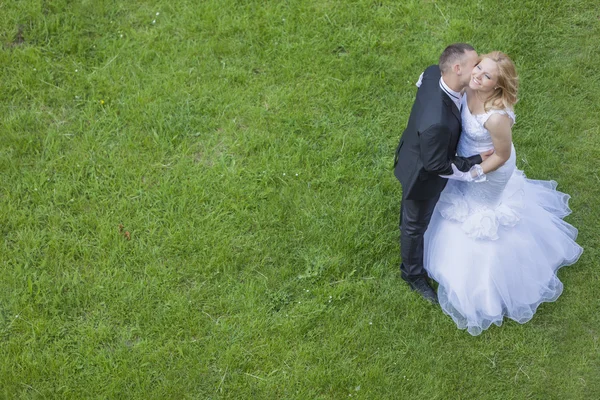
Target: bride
496, 238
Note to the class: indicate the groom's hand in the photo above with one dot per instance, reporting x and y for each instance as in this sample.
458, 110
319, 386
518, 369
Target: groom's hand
486, 154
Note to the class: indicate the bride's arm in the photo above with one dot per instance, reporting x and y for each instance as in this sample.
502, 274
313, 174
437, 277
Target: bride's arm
500, 128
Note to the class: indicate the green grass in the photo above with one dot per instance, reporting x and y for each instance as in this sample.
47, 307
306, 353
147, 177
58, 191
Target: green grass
246, 146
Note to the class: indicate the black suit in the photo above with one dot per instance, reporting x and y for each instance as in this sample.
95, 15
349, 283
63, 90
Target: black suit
426, 150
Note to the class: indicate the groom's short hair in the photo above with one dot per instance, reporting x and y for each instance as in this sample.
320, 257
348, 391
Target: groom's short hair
452, 54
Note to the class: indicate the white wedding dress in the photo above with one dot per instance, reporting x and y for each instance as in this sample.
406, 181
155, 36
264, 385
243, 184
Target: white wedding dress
494, 247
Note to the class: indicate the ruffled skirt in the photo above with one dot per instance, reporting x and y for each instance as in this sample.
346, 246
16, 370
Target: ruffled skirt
499, 260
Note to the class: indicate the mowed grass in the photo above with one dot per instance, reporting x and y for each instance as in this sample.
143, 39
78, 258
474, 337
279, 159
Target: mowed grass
197, 200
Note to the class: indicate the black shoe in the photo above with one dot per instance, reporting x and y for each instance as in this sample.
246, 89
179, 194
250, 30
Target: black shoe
421, 286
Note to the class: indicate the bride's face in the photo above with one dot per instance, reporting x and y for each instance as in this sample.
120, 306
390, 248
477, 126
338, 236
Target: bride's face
484, 76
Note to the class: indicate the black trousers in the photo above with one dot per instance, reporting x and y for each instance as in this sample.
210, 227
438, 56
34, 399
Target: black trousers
414, 220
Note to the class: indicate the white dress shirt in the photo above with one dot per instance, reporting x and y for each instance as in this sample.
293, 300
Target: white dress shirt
456, 97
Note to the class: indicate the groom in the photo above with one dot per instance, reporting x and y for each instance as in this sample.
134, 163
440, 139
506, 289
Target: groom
426, 150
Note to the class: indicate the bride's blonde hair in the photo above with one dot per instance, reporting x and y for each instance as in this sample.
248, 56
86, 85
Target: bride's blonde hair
505, 92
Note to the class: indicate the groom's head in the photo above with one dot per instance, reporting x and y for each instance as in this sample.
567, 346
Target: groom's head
457, 61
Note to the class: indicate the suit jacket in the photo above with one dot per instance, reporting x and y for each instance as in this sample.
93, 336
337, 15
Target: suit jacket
428, 145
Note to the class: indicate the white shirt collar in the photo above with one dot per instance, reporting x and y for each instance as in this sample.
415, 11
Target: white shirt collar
454, 96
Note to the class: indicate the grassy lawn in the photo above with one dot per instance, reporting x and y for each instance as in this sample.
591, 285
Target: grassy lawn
197, 199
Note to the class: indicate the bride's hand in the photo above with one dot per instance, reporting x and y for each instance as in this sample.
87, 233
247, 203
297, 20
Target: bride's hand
459, 175
486, 154
475, 174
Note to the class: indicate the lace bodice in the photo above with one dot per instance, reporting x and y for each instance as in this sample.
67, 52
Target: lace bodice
481, 208
474, 137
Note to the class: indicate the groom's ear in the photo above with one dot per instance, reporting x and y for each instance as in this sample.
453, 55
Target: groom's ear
457, 70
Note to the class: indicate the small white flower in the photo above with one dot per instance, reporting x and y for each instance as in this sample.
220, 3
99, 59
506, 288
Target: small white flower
284, 174
121, 35
296, 174
157, 14
76, 70
153, 21
370, 323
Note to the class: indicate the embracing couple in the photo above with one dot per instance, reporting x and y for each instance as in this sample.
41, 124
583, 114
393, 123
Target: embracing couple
470, 220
